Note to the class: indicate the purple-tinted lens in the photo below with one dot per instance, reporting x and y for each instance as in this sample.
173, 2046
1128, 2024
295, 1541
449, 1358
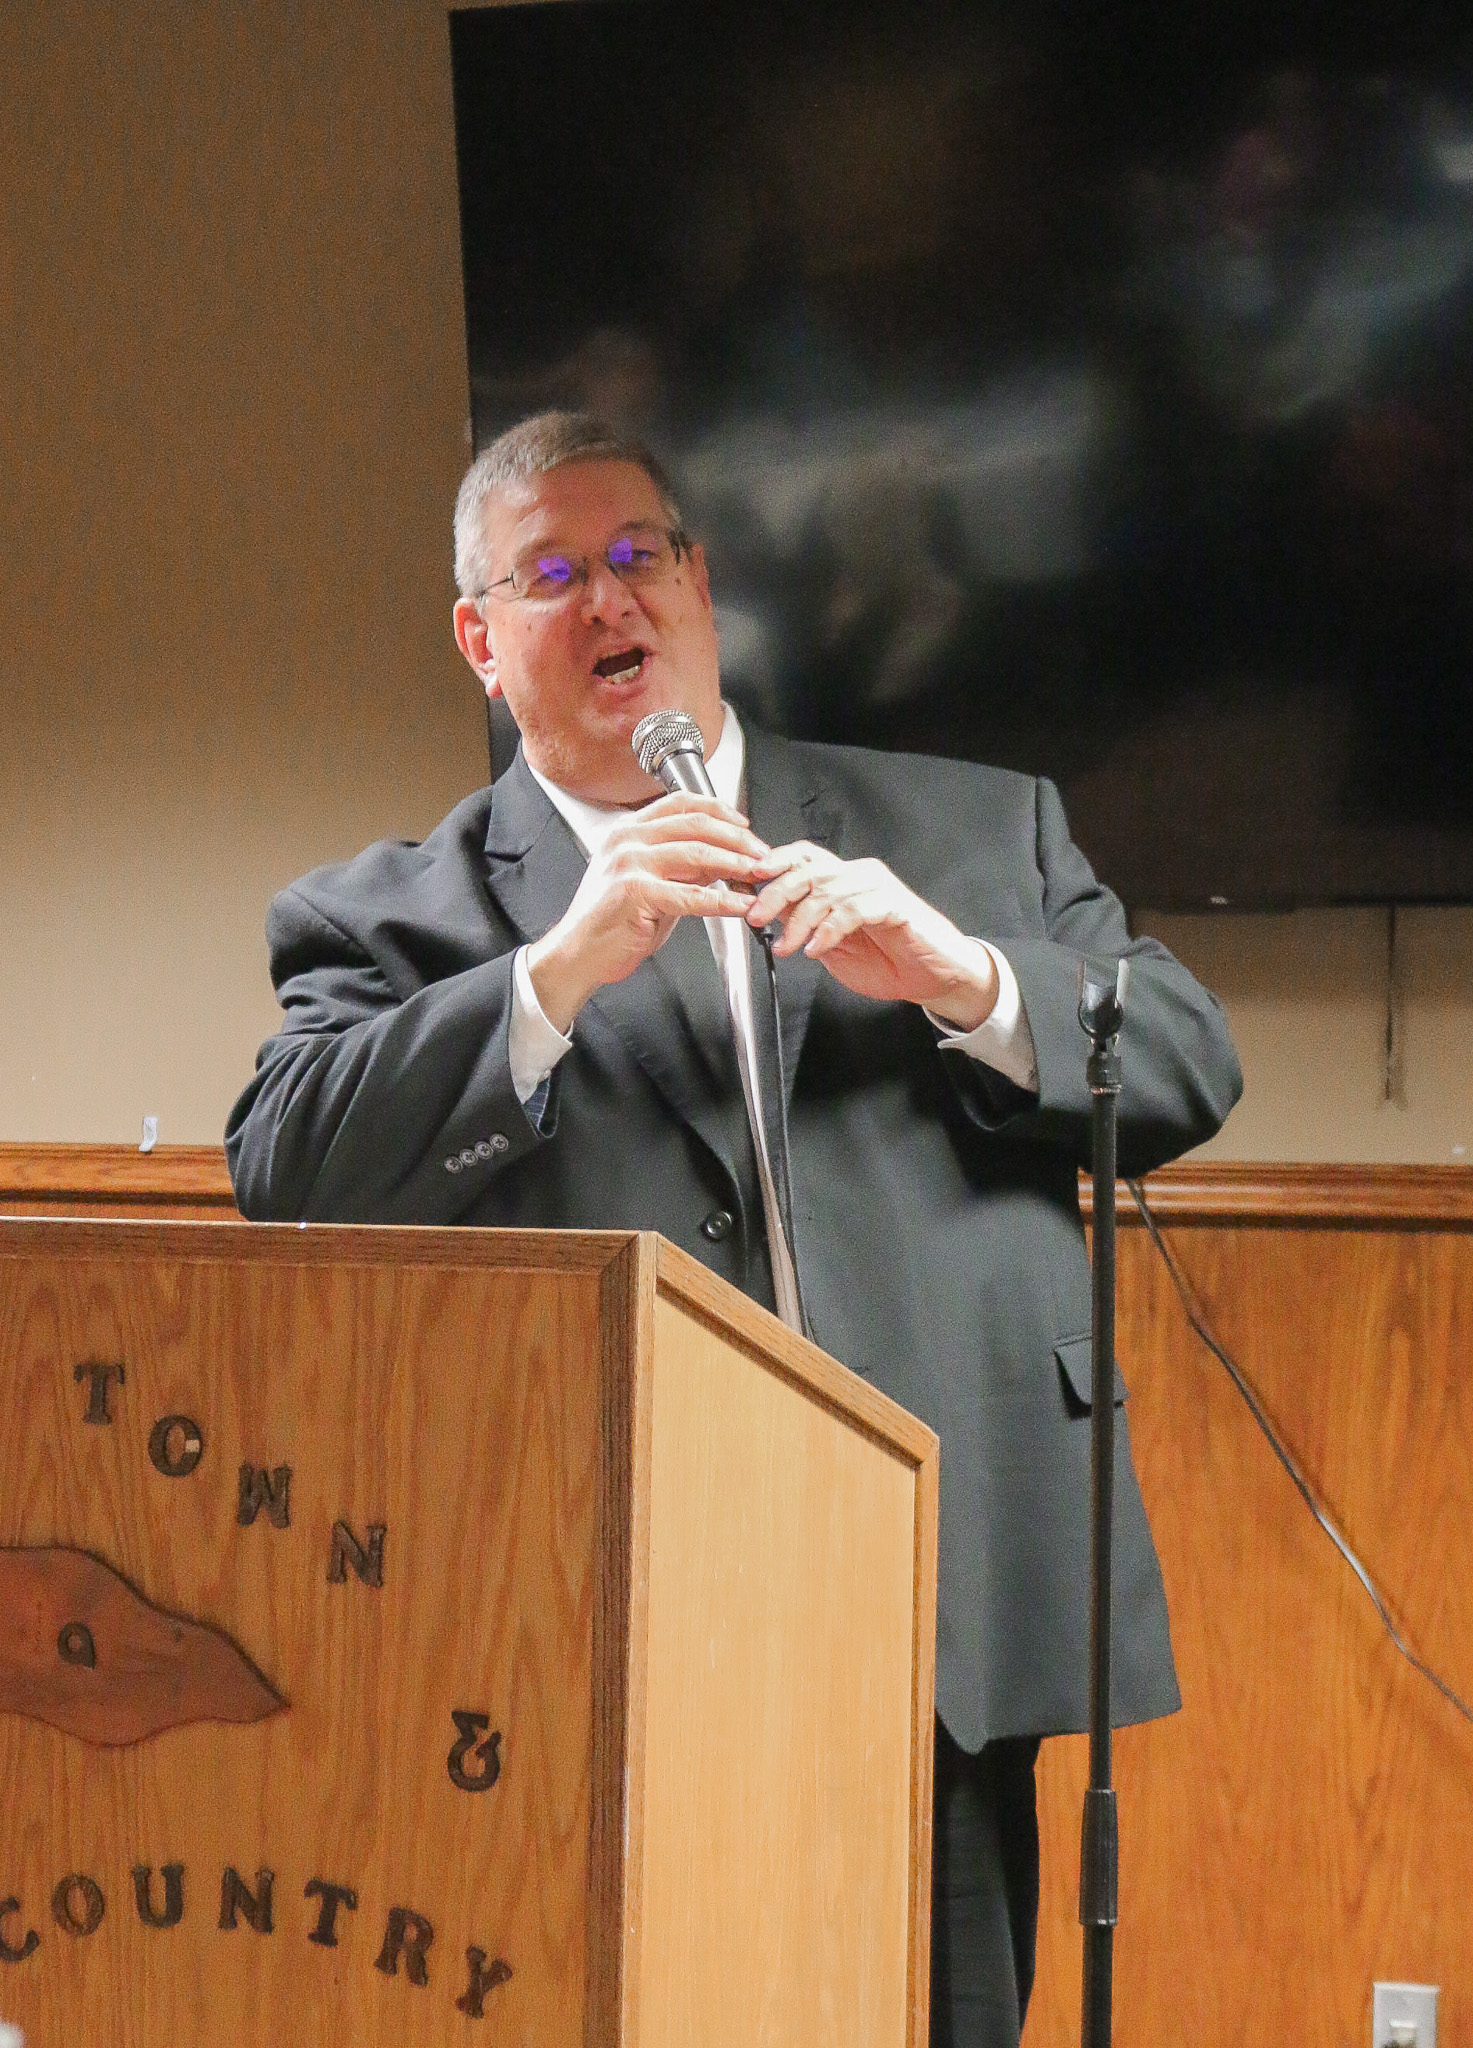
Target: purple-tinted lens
621, 552
555, 568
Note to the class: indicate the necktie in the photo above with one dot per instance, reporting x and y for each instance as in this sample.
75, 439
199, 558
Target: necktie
735, 950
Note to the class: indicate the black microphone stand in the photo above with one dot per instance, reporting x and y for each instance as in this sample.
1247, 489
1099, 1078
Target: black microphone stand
1101, 1011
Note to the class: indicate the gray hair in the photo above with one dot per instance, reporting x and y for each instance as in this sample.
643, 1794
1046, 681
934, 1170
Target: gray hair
531, 448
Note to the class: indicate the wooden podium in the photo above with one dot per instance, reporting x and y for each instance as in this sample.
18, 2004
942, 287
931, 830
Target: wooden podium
418, 1636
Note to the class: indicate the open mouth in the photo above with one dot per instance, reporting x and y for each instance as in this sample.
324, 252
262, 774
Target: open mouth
622, 666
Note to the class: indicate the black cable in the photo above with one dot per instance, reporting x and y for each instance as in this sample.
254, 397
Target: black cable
783, 1179
1284, 1457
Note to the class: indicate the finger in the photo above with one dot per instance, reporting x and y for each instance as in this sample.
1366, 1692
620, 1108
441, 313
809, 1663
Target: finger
679, 800
845, 904
689, 899
779, 897
802, 922
796, 870
692, 860
802, 853
714, 827
842, 921
875, 912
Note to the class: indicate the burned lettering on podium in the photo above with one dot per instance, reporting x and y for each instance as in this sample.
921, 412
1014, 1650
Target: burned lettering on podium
408, 1935
262, 1489
484, 1977
78, 1907
30, 1942
173, 1908
75, 1645
77, 1904
325, 1933
236, 1895
366, 1558
99, 1378
486, 1756
175, 1445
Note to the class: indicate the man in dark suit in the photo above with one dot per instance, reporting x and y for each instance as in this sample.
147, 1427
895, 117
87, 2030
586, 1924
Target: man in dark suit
521, 1021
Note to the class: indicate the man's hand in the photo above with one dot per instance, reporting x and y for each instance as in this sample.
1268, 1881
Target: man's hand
873, 934
677, 857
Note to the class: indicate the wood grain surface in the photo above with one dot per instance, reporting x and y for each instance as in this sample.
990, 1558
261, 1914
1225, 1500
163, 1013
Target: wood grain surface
191, 1180
1440, 1197
474, 1503
82, 1650
450, 1401
862, 1407
616, 1784
73, 1180
780, 1713
1305, 1826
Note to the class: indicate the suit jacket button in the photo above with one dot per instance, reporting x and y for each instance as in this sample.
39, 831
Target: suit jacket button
500, 1142
717, 1225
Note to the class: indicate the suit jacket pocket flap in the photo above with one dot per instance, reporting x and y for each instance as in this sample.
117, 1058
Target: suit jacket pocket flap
1073, 1354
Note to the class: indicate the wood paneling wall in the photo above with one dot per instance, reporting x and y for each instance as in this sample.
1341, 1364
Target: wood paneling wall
184, 1181
1305, 1825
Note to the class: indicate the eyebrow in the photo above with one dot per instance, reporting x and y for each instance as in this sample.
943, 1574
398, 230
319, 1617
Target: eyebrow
558, 547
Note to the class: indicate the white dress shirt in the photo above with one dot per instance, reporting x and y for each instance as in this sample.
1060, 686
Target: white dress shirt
1002, 1041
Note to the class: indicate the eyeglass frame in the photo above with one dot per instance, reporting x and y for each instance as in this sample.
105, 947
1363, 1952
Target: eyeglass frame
677, 536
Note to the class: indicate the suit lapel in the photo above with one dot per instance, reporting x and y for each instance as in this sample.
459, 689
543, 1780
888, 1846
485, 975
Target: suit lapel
670, 1014
533, 862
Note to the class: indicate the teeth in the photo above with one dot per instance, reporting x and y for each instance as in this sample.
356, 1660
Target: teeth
622, 675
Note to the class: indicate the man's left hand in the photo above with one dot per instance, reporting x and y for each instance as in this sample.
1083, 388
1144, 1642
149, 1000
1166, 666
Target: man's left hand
872, 933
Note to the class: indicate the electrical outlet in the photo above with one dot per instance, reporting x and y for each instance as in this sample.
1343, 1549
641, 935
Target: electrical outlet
1404, 2016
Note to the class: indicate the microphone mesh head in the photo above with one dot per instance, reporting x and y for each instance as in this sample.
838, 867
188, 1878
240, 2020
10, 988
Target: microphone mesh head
662, 734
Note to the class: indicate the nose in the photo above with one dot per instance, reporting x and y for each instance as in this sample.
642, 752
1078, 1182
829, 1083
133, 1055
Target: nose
604, 596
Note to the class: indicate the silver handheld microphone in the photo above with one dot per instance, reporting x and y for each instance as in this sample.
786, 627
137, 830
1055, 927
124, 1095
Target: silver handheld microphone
669, 744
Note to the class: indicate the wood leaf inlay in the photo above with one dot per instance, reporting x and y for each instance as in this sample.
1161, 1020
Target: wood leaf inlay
150, 1671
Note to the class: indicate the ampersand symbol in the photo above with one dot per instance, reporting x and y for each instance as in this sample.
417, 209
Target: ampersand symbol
487, 1754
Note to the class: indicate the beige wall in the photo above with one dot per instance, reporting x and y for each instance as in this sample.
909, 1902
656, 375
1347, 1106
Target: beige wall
232, 405
232, 416
1307, 997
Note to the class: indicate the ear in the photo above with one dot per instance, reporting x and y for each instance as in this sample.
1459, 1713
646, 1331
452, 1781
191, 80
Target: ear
474, 643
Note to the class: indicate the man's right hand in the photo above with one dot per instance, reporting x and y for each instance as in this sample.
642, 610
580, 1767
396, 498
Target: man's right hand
675, 858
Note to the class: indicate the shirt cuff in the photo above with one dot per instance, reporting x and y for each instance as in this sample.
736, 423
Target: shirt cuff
1002, 1040
534, 1045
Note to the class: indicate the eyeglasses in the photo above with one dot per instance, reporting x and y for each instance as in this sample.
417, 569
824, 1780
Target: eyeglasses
643, 554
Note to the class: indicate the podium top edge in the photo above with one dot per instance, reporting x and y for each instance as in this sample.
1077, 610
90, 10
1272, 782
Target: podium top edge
235, 1240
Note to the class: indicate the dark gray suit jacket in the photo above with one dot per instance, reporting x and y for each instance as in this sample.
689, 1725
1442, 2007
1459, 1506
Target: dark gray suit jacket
936, 1206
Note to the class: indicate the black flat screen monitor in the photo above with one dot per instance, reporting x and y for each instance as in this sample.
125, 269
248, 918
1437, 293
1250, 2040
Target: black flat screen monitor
1083, 389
